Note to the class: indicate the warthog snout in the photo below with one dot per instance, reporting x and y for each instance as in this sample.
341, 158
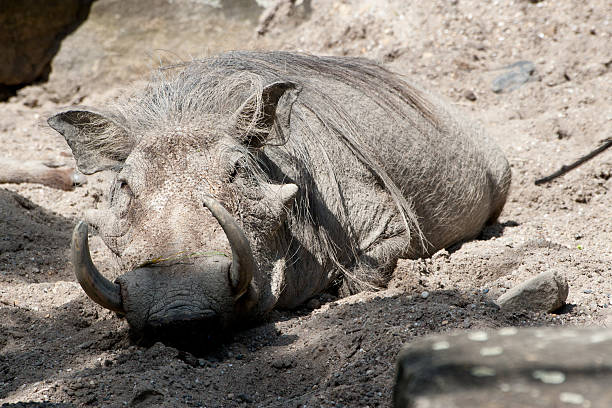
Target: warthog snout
186, 291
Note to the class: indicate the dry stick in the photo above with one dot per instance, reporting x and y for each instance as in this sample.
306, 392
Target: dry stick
564, 169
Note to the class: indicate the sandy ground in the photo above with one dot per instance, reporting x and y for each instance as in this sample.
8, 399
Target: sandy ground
59, 349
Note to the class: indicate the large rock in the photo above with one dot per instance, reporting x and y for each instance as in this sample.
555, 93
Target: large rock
545, 292
507, 368
30, 33
121, 41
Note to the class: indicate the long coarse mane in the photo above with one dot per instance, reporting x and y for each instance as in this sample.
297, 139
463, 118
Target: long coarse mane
181, 94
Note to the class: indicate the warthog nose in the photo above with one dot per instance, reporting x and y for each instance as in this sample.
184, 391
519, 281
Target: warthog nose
180, 313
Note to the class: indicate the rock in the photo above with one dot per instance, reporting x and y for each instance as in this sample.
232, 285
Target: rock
544, 293
30, 34
516, 75
244, 398
146, 396
282, 363
544, 367
469, 95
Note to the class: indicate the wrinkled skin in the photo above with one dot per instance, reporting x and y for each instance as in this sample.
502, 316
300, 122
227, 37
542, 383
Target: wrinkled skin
326, 172
152, 192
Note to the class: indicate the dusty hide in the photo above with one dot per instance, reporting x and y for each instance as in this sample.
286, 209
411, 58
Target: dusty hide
384, 169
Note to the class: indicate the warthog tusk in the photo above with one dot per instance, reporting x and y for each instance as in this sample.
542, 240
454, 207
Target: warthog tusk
98, 288
243, 263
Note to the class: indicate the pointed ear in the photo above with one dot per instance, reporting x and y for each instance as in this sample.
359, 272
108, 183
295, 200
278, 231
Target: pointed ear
271, 110
98, 140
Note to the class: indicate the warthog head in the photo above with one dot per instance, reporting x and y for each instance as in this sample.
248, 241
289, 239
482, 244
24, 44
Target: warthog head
191, 216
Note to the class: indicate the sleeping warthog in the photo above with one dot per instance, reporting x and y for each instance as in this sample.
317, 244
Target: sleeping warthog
254, 180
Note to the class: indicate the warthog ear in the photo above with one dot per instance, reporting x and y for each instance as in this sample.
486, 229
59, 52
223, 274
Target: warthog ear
98, 140
271, 110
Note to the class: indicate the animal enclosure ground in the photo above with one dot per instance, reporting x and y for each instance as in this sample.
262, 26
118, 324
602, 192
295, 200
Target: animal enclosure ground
59, 349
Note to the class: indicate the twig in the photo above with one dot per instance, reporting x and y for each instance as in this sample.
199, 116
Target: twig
564, 169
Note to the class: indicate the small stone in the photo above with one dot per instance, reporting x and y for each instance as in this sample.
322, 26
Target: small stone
86, 345
516, 75
244, 398
469, 95
588, 291
546, 292
425, 294
282, 363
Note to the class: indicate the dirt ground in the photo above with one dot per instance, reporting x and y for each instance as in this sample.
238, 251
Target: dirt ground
59, 349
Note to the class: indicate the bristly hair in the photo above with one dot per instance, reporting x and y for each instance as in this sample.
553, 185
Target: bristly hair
182, 94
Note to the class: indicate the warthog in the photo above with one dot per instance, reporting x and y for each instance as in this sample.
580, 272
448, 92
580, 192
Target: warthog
254, 180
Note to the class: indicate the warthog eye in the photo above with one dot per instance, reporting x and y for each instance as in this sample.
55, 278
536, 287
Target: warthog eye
239, 169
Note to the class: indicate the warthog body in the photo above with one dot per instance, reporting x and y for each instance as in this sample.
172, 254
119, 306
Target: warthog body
313, 172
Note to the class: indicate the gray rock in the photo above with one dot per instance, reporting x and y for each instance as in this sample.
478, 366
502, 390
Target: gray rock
510, 367
544, 293
30, 33
516, 75
469, 95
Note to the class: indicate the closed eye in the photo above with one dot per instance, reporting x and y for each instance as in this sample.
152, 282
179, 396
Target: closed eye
238, 169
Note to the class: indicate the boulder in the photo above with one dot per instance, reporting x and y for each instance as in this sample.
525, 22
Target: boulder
30, 34
507, 368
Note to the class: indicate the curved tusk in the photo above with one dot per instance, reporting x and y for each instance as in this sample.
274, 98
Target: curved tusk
98, 288
243, 263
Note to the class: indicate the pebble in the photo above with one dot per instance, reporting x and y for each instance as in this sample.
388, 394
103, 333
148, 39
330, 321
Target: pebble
469, 95
282, 363
244, 398
425, 294
516, 75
